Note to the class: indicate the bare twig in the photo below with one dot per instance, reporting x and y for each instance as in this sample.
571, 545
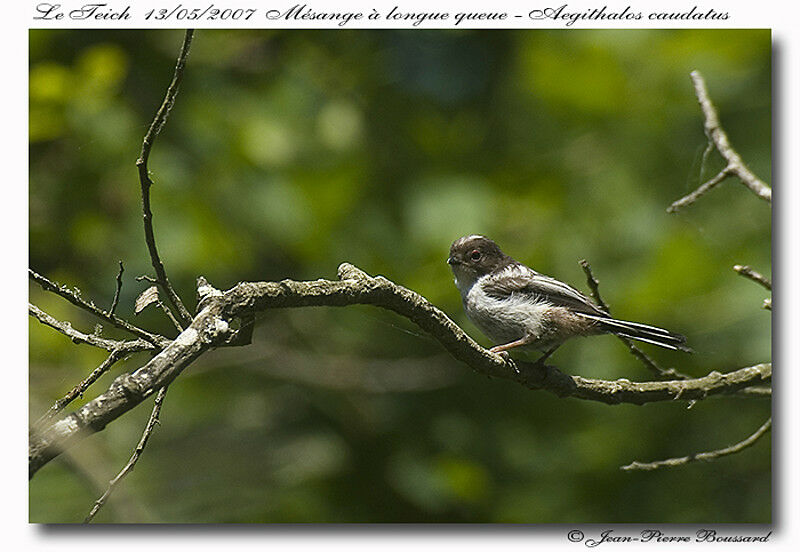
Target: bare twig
212, 328
74, 297
118, 350
594, 285
735, 165
758, 278
751, 274
151, 424
644, 358
169, 314
705, 456
700, 191
146, 182
119, 288
80, 389
90, 339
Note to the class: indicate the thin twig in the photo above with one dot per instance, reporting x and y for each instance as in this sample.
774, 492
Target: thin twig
90, 339
118, 350
151, 424
751, 274
594, 285
169, 314
705, 456
701, 190
115, 301
735, 165
80, 389
73, 296
145, 181
644, 358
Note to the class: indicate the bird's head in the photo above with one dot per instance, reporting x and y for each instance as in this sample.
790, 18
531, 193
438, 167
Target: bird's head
474, 256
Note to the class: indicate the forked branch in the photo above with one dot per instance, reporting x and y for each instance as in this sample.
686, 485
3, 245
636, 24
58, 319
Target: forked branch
717, 136
90, 339
74, 297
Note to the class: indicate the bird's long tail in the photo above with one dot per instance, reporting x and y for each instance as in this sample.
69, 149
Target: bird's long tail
642, 332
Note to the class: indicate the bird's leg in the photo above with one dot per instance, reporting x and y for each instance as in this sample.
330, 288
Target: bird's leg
547, 354
518, 343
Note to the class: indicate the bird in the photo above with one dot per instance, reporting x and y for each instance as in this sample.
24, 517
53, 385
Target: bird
519, 308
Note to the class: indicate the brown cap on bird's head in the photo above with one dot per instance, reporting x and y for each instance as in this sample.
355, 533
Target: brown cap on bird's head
475, 256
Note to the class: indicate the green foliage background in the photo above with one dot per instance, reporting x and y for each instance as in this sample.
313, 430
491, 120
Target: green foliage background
288, 152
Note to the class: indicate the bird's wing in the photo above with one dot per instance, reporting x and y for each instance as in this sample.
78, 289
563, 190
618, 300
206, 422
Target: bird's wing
526, 282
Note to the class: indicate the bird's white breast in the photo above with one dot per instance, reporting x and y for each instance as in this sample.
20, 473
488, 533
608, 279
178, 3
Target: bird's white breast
504, 320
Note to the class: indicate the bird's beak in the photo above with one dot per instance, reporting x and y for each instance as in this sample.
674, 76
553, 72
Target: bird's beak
451, 261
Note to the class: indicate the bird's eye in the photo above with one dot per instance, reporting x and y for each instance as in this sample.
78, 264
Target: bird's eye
475, 255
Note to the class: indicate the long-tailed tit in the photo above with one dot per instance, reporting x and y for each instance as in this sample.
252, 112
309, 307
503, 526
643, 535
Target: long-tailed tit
515, 306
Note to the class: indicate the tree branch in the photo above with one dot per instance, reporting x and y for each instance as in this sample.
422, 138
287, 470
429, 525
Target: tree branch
706, 456
80, 389
206, 331
751, 274
212, 327
151, 424
115, 301
701, 190
716, 135
146, 183
594, 285
90, 339
74, 298
644, 358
